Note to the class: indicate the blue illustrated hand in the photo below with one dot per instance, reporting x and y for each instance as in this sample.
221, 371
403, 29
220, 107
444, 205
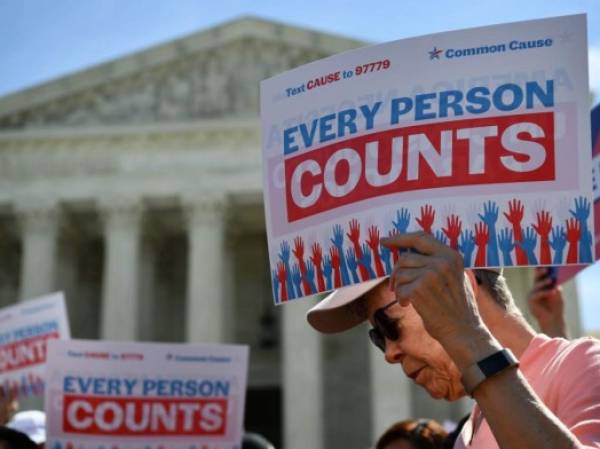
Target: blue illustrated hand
528, 244
275, 280
284, 255
338, 241
441, 237
386, 254
507, 245
310, 276
581, 214
558, 241
352, 264
466, 246
365, 260
297, 278
582, 210
490, 217
402, 220
327, 271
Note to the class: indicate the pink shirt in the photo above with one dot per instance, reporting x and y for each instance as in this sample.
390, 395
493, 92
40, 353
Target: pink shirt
566, 377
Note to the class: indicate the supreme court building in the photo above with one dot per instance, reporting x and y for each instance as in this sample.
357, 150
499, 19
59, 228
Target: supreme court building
135, 187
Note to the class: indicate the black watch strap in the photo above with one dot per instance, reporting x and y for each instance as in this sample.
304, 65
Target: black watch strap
475, 374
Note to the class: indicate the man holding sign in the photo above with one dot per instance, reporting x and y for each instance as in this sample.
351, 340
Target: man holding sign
433, 161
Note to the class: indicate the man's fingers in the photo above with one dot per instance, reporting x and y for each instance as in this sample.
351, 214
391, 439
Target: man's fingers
421, 242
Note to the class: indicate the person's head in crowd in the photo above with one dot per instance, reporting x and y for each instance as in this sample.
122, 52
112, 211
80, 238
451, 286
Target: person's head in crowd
413, 434
399, 332
32, 423
13, 439
8, 405
252, 440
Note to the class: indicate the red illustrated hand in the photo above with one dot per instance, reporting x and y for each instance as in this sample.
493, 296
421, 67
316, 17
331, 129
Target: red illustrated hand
454, 227
335, 264
395, 249
481, 239
373, 243
298, 248
282, 281
427, 218
543, 228
573, 236
515, 212
354, 234
317, 259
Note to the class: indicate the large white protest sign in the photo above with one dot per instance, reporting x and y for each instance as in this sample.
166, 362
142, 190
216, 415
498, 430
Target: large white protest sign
145, 395
480, 137
25, 330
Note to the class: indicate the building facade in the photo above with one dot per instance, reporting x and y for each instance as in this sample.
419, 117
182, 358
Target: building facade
135, 187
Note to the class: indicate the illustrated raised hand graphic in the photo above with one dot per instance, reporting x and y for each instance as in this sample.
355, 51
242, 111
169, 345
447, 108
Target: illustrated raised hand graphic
558, 243
427, 218
310, 277
352, 264
466, 246
335, 263
481, 239
373, 243
453, 229
395, 249
299, 253
275, 281
365, 261
284, 256
573, 236
386, 254
515, 216
317, 260
402, 220
297, 279
440, 237
338, 241
490, 217
506, 243
282, 276
543, 228
528, 244
581, 214
327, 272
354, 236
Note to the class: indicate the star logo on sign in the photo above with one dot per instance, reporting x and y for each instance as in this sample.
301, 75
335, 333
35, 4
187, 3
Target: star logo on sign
435, 53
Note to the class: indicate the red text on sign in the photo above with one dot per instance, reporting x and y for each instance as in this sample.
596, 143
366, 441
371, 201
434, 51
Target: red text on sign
506, 149
144, 416
24, 353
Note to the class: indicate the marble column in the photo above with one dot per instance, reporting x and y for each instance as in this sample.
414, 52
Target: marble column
39, 227
391, 396
206, 292
120, 293
302, 379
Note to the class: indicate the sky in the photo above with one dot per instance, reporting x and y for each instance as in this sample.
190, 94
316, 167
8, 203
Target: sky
42, 40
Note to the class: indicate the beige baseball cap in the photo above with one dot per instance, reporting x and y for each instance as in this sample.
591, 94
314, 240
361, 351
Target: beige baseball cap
346, 307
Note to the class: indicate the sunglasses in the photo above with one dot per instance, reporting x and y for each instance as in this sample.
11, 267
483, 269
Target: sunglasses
383, 327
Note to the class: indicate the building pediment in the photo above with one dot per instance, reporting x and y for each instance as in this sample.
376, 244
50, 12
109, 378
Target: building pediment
210, 74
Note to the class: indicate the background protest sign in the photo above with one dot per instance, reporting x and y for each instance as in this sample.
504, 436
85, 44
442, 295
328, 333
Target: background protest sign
145, 395
25, 330
479, 137
567, 272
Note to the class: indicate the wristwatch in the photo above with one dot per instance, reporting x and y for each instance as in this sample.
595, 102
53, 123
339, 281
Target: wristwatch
475, 374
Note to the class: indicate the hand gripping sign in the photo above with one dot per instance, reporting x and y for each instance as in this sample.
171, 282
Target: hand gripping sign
25, 330
479, 137
142, 395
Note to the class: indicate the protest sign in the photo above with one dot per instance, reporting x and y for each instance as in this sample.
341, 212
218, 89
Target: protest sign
479, 137
145, 395
566, 273
25, 330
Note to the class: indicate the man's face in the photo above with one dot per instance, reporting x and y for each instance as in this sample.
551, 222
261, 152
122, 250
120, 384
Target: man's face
422, 358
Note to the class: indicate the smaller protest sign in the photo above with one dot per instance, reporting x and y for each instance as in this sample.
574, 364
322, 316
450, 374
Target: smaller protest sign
25, 330
145, 395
